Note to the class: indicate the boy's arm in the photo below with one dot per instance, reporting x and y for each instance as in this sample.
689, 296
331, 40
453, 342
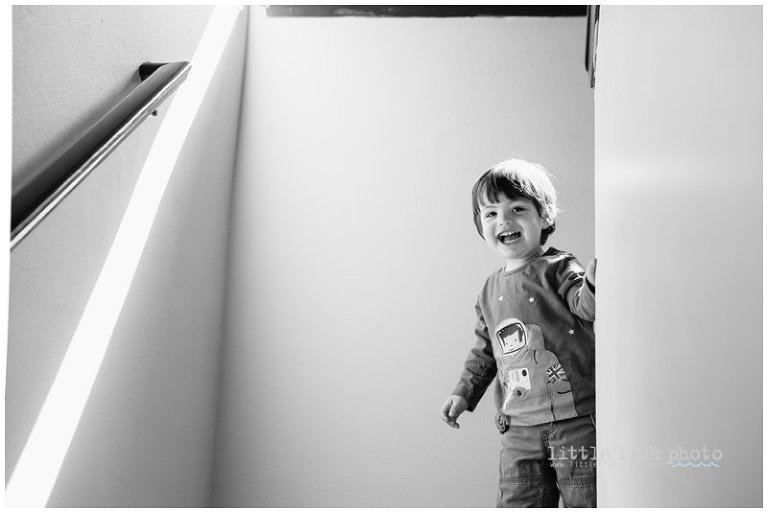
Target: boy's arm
480, 366
577, 287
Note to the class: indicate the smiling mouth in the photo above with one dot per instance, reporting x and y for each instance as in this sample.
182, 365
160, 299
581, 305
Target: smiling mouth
507, 237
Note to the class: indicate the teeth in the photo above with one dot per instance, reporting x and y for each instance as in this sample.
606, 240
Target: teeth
503, 236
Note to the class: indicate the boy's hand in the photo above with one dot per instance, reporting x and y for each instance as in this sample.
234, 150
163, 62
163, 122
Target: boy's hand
591, 271
454, 406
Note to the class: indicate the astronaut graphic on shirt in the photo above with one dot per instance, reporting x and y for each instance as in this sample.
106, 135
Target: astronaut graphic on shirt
532, 377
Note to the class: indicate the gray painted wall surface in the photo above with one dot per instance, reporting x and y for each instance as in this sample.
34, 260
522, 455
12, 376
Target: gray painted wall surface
678, 130
72, 63
147, 433
355, 264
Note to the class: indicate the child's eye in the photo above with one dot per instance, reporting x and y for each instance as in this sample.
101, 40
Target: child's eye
489, 214
518, 209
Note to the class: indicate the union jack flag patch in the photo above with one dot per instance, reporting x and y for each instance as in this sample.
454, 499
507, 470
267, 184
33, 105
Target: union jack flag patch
555, 373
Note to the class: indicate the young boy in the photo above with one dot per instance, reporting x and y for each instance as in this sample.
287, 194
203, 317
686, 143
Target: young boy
535, 333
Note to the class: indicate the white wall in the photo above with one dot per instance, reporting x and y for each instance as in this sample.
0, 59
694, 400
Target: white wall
146, 436
70, 65
678, 130
355, 264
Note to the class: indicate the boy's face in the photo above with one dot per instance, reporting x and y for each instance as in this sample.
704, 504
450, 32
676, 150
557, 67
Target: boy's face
512, 228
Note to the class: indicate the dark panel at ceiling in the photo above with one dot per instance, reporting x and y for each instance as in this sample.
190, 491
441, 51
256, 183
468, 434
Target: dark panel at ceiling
426, 11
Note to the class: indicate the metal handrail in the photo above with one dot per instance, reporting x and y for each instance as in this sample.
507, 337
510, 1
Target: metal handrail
35, 197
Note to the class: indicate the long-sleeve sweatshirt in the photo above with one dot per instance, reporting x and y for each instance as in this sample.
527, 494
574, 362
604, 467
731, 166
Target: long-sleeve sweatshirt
535, 332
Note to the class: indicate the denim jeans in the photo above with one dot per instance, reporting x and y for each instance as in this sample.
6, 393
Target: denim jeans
540, 463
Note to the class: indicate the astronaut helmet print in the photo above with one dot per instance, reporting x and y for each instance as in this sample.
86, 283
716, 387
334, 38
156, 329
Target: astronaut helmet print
512, 336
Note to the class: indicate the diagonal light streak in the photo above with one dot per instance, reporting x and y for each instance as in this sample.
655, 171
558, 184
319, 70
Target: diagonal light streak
38, 467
